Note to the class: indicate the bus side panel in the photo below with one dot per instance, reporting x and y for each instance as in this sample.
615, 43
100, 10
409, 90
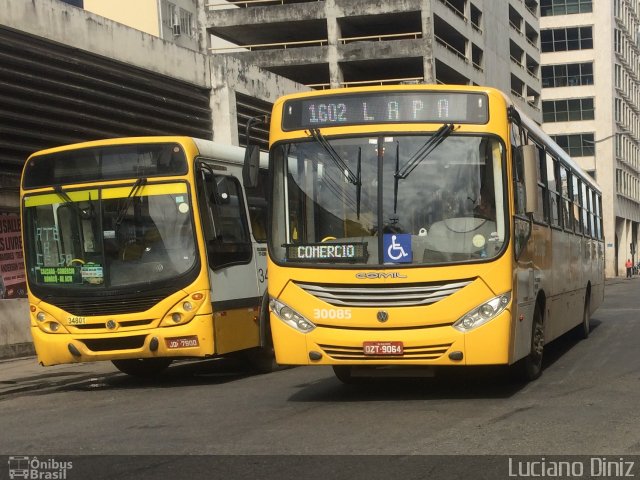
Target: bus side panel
236, 329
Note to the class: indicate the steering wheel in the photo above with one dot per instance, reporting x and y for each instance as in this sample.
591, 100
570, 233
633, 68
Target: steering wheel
326, 239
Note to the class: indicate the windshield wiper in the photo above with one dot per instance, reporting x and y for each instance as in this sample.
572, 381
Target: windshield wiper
416, 159
132, 193
353, 178
69, 201
318, 137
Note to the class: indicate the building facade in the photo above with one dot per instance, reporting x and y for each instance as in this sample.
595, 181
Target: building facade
591, 101
335, 43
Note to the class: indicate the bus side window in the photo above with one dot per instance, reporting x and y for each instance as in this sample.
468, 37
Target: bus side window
227, 233
520, 197
554, 191
566, 199
542, 208
518, 171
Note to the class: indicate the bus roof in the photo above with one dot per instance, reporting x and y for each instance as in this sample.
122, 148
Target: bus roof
208, 148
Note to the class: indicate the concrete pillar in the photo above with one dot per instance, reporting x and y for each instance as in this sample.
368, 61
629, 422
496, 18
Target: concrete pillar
223, 106
204, 39
333, 34
623, 231
428, 61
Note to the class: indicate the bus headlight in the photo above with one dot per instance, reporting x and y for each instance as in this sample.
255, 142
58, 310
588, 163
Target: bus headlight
289, 316
484, 313
184, 311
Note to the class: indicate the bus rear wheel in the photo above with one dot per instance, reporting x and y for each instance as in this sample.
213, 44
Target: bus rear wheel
142, 367
583, 330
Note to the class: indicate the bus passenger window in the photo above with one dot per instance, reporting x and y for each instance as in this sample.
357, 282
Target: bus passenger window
554, 191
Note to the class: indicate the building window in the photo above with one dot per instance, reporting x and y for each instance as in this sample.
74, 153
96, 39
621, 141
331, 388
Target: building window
564, 39
550, 8
573, 109
569, 75
179, 20
578, 145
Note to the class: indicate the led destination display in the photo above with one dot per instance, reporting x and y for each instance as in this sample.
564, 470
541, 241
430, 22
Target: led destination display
328, 252
392, 107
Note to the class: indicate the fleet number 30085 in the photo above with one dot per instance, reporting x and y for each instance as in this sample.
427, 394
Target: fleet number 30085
331, 313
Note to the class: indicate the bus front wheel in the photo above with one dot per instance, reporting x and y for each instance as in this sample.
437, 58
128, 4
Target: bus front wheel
530, 367
344, 374
142, 367
262, 359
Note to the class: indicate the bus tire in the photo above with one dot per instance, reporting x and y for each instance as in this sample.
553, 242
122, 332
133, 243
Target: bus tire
530, 367
343, 373
583, 330
142, 367
261, 359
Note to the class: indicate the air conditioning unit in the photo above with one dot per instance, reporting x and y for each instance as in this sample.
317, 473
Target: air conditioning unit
176, 29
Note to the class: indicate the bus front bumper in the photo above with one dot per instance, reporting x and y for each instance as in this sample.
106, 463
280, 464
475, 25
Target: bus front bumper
193, 339
488, 344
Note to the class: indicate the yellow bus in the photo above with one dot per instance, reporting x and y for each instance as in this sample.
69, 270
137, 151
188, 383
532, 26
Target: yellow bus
421, 226
143, 250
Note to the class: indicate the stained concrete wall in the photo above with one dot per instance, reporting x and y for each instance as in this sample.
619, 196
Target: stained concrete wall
15, 339
247, 79
75, 27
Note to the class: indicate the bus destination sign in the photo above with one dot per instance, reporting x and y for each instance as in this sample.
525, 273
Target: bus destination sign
388, 107
327, 252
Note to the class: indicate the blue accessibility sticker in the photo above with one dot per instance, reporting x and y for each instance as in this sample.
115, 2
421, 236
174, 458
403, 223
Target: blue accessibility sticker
397, 248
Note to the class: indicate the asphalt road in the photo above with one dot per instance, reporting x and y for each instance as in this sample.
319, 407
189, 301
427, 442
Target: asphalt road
585, 403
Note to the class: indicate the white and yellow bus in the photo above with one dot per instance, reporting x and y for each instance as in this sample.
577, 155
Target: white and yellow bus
423, 226
143, 250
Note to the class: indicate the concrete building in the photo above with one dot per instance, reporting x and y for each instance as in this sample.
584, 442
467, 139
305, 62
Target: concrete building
591, 104
333, 43
175, 21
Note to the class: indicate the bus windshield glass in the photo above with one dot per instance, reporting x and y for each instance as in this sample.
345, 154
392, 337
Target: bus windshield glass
439, 198
109, 237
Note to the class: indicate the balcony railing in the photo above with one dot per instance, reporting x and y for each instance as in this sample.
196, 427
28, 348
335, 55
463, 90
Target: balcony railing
250, 3
451, 7
452, 49
381, 38
270, 46
384, 81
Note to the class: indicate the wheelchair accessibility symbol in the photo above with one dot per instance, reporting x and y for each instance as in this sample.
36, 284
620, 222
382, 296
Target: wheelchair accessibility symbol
397, 248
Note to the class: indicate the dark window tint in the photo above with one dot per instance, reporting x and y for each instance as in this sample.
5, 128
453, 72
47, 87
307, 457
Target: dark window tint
105, 163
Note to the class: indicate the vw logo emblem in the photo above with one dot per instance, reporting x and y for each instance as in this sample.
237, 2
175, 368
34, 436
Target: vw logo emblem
111, 324
382, 316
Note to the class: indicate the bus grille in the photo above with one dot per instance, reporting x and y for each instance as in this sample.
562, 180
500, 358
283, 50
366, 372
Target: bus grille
106, 306
386, 295
124, 323
118, 343
427, 352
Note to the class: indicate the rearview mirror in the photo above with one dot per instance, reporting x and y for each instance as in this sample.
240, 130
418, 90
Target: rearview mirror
251, 166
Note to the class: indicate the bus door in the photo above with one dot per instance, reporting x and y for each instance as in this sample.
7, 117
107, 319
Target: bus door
257, 202
235, 295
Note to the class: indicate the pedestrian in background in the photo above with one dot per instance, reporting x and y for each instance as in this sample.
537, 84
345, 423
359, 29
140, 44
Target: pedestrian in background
628, 265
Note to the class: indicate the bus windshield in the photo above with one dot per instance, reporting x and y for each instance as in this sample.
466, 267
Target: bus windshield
109, 237
438, 200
